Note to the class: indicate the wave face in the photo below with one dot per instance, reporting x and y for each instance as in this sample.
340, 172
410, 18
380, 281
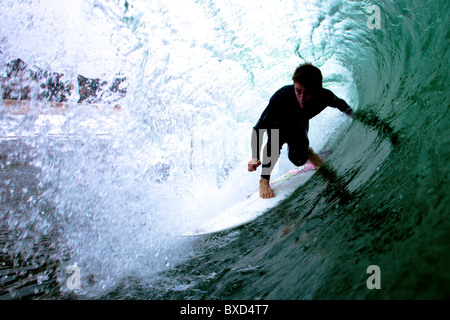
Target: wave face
106, 193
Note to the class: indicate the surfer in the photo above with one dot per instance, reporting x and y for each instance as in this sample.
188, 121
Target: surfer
286, 120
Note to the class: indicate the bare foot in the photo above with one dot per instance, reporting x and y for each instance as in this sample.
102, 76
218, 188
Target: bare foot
315, 159
264, 189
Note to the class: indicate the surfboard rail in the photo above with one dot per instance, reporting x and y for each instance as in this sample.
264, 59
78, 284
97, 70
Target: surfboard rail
253, 205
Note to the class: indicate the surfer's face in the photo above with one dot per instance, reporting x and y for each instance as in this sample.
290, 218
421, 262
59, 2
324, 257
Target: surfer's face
303, 95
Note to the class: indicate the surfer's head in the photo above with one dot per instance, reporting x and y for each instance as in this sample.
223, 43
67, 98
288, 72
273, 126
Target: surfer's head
307, 82
309, 76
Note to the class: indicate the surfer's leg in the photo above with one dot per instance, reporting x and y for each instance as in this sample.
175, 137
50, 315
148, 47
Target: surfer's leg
269, 163
264, 187
271, 154
298, 148
265, 191
298, 155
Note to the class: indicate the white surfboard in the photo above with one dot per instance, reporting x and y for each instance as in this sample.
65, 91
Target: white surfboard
254, 206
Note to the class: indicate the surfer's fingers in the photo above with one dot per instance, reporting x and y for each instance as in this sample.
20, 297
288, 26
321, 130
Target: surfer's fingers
252, 165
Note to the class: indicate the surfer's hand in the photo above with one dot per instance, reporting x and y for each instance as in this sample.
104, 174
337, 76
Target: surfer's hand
253, 164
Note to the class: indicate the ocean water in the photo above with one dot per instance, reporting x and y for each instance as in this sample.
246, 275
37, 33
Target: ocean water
92, 200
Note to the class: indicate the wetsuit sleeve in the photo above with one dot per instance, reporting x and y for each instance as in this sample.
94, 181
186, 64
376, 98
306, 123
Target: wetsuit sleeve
342, 106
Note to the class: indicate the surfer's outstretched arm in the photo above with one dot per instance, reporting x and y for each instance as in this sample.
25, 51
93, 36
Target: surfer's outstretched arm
342, 106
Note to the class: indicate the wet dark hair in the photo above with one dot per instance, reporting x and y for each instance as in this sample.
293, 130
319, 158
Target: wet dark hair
309, 76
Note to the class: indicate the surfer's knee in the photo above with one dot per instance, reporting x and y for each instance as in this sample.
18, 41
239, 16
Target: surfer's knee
298, 157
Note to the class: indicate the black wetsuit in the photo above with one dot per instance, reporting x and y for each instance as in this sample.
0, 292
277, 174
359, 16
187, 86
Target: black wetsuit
285, 114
